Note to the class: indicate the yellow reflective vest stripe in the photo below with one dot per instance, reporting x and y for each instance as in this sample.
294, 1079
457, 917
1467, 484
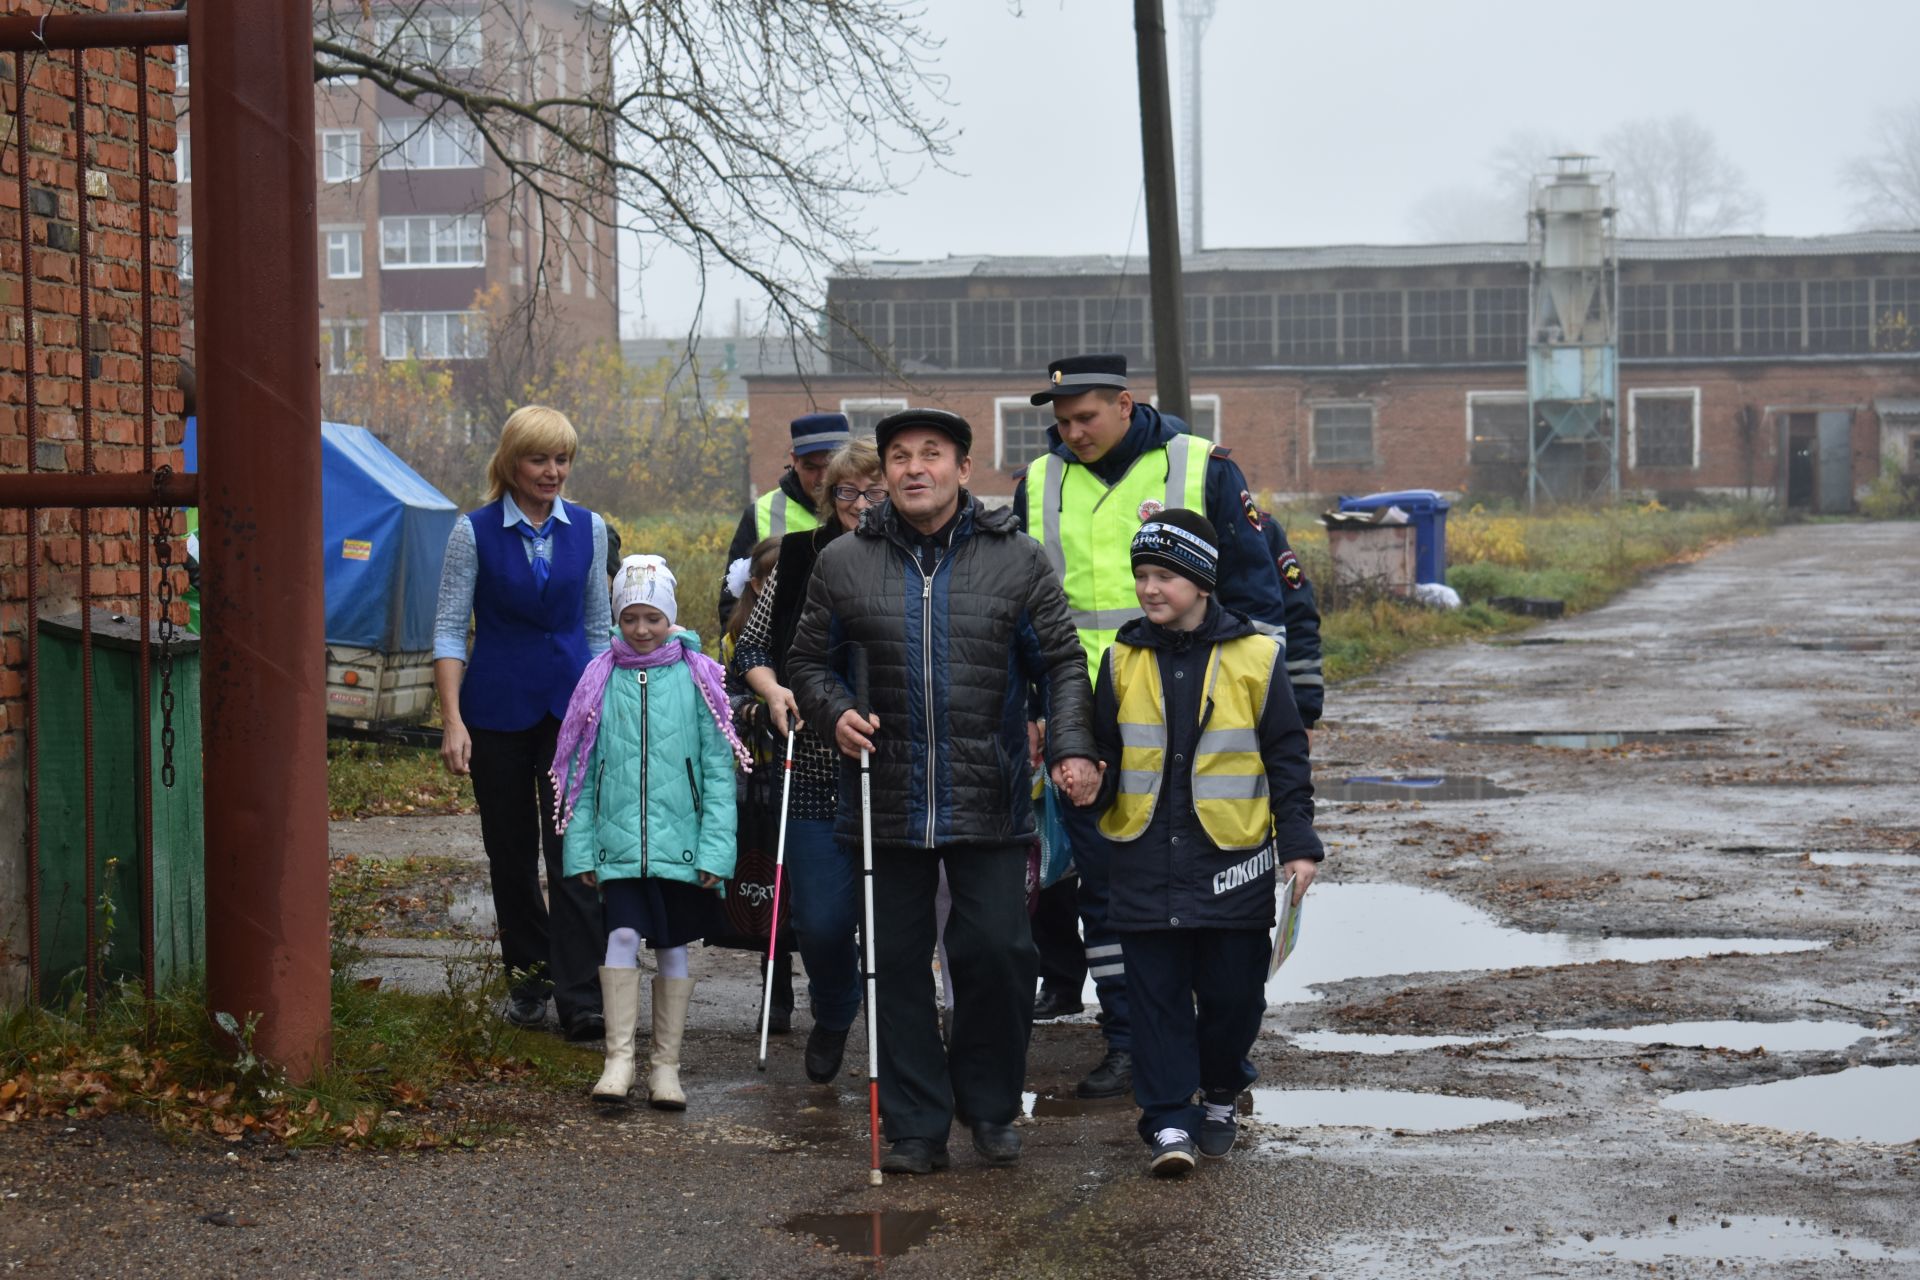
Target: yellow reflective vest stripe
775, 515
1229, 777
1087, 528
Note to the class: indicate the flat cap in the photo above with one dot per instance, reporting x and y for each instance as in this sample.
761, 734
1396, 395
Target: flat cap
950, 424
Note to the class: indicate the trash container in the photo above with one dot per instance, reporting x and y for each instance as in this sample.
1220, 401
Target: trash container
1427, 513
179, 879
1369, 558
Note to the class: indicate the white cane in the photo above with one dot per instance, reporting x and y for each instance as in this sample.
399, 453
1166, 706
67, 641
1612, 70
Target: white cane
861, 704
773, 928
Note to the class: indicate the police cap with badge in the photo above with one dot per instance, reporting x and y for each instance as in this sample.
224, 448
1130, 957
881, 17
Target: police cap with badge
1077, 375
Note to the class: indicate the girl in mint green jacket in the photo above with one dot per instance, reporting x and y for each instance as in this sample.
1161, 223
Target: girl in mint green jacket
643, 780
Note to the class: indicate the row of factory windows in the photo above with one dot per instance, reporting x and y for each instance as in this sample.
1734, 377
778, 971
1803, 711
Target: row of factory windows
1662, 428
1377, 326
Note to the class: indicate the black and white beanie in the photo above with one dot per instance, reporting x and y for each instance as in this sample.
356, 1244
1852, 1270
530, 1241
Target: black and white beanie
1183, 541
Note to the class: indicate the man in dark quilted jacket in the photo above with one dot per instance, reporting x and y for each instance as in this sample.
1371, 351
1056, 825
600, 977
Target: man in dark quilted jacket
963, 623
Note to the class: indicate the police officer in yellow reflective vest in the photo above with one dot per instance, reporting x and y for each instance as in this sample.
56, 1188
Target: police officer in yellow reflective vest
1204, 789
792, 506
1114, 462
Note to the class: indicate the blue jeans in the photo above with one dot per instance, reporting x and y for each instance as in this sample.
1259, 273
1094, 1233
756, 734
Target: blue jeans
1198, 995
1105, 963
823, 879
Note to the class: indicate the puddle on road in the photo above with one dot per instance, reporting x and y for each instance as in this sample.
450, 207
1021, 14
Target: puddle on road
1842, 646
1053, 1106
473, 908
1862, 1104
1862, 858
1744, 1238
1379, 1109
1801, 1036
1582, 741
883, 1233
1374, 930
1363, 788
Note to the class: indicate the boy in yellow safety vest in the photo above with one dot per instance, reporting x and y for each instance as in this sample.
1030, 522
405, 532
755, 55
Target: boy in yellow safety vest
1205, 789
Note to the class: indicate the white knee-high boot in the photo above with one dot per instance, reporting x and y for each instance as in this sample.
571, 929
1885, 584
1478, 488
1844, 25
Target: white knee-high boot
670, 999
620, 1001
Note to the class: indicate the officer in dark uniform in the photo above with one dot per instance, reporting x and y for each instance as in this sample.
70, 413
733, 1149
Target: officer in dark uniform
1303, 623
1113, 463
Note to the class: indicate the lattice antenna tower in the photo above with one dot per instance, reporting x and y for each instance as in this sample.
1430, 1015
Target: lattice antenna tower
1194, 17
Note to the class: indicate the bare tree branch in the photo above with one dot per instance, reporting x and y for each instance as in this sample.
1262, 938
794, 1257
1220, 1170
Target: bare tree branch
747, 135
1886, 181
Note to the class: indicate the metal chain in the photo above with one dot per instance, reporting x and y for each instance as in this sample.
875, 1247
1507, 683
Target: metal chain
163, 557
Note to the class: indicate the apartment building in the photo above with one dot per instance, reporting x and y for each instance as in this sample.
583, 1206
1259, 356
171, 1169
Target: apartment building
417, 216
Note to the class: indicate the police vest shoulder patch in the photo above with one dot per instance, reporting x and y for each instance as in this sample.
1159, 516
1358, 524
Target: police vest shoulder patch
1252, 509
1290, 571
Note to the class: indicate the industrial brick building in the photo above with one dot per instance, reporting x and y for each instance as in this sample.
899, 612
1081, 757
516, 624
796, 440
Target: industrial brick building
1783, 367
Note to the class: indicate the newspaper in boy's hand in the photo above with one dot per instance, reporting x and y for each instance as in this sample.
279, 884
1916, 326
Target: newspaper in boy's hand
1286, 934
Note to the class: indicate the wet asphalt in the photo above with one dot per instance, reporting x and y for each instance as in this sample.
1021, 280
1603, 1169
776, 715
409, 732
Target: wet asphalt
1771, 691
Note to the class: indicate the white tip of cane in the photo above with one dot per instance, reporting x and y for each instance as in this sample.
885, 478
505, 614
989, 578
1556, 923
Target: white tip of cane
875, 1178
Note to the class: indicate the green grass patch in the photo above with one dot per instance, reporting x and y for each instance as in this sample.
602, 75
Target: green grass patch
408, 1070
1583, 557
377, 780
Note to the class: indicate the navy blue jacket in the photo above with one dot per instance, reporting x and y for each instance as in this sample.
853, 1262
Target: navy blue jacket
1173, 876
1303, 624
1249, 580
529, 645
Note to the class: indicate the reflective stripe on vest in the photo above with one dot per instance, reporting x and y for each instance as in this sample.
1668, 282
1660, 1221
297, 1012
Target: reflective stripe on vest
775, 515
1087, 529
1229, 778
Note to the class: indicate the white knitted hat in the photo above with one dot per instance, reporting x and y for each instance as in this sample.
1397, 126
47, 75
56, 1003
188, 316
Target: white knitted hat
645, 580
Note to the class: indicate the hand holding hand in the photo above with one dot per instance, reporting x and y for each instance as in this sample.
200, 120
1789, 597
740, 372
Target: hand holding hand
708, 880
1078, 780
588, 879
854, 732
1036, 742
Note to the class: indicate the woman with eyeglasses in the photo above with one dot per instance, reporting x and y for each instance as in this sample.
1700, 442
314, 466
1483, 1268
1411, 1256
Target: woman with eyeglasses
821, 875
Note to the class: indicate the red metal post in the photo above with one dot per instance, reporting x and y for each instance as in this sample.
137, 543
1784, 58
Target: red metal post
262, 659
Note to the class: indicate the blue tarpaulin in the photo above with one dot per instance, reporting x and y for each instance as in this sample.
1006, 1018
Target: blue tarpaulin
385, 536
385, 532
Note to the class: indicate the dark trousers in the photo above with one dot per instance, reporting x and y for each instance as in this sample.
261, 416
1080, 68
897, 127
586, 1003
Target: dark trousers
1105, 961
1056, 936
1197, 997
823, 879
982, 1067
553, 943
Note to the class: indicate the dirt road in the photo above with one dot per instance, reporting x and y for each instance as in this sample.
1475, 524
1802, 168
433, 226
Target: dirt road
1736, 842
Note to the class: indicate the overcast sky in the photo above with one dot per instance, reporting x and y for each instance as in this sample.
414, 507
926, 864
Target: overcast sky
1329, 123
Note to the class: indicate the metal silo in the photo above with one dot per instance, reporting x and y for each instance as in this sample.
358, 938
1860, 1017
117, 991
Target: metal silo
1572, 341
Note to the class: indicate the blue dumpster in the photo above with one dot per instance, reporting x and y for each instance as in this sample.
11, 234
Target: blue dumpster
1427, 512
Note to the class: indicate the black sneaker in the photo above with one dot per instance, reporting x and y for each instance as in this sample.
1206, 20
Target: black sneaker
825, 1049
1218, 1129
1172, 1154
1055, 1004
913, 1155
1112, 1078
524, 1009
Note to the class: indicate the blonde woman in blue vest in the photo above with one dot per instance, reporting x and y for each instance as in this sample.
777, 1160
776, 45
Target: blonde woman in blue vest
1204, 790
526, 572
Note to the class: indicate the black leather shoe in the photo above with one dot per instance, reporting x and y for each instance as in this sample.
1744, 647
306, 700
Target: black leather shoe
1113, 1077
913, 1155
998, 1144
1055, 1004
825, 1049
588, 1026
524, 1009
